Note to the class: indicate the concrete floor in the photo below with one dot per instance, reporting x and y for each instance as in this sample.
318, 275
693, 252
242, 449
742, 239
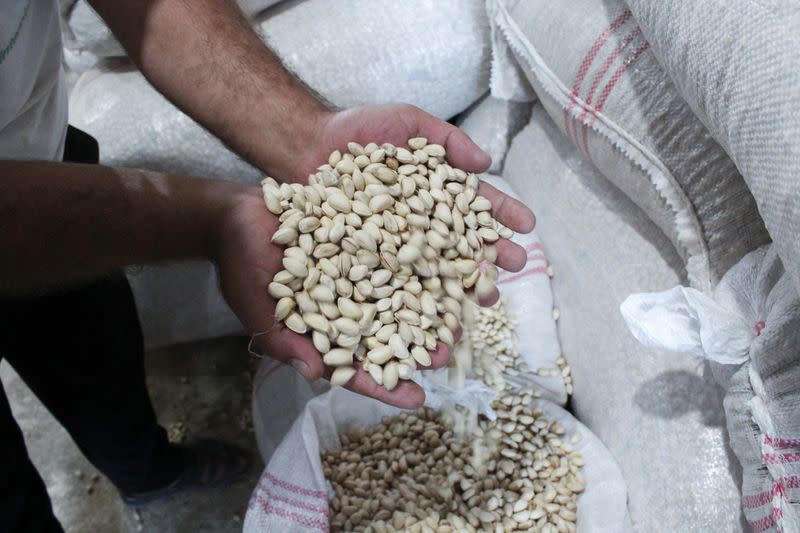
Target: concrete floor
207, 387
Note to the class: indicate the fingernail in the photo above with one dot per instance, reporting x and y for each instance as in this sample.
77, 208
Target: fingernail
301, 366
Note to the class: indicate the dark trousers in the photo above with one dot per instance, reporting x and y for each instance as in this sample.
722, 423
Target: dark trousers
80, 351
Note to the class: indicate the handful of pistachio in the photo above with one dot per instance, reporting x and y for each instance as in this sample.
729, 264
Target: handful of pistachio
381, 246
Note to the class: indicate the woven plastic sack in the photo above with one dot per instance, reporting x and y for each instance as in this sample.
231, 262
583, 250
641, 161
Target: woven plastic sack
736, 64
528, 300
87, 39
292, 494
655, 412
430, 53
492, 123
596, 76
750, 330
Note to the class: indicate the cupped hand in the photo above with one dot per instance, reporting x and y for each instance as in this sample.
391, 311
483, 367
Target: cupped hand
247, 261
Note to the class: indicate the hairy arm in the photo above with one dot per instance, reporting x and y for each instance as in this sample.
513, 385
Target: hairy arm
204, 57
64, 222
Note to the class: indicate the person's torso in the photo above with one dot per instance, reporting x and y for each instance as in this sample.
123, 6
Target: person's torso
33, 99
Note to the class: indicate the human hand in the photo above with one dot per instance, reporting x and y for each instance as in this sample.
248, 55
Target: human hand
395, 124
248, 261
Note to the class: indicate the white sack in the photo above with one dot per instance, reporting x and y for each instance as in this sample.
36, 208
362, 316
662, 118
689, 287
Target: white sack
430, 53
737, 66
655, 413
292, 494
492, 123
529, 301
598, 79
752, 327
87, 35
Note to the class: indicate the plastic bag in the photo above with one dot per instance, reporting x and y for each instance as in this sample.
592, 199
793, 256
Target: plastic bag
750, 330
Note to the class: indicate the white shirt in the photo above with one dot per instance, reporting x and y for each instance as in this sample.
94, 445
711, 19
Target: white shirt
33, 96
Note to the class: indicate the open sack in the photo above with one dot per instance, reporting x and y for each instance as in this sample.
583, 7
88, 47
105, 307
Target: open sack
292, 493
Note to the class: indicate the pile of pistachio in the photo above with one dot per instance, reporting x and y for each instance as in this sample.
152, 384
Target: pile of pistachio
413, 473
380, 247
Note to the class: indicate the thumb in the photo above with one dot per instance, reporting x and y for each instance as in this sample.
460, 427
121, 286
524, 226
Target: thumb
291, 348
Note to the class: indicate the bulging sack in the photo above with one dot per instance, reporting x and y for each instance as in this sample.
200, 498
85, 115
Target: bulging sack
597, 77
750, 330
661, 417
529, 301
735, 63
433, 54
292, 494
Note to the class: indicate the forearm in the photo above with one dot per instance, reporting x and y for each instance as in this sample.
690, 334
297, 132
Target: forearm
62, 222
203, 56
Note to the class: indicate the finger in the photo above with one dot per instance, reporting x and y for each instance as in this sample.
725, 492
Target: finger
508, 211
439, 357
510, 256
406, 395
463, 153
296, 350
490, 299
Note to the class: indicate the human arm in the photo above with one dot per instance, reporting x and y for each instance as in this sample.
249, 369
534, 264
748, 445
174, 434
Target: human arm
204, 57
65, 222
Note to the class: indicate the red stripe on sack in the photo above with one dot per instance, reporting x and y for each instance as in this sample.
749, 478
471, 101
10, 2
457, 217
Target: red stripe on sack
760, 499
533, 246
294, 503
291, 487
792, 482
772, 458
754, 501
303, 520
763, 524
777, 442
587, 62
615, 78
532, 258
599, 78
523, 274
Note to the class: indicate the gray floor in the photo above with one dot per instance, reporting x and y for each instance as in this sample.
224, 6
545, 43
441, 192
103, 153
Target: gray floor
204, 387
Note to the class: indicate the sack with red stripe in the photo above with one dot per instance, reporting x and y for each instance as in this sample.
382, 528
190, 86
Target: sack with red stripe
292, 493
528, 300
750, 331
591, 67
660, 414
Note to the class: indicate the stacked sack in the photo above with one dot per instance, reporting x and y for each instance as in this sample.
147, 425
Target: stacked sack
155, 135
88, 40
659, 415
669, 206
736, 66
